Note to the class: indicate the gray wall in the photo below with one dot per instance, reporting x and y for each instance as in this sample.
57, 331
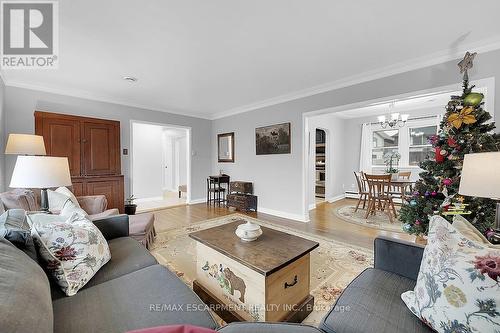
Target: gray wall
2, 136
278, 179
21, 103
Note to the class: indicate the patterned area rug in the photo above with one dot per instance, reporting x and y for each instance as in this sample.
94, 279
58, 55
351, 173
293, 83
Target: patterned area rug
333, 264
378, 221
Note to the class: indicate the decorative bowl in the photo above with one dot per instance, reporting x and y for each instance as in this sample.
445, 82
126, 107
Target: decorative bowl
248, 231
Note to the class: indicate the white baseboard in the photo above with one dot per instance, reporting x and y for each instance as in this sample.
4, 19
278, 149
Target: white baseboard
149, 199
197, 201
336, 198
312, 206
290, 216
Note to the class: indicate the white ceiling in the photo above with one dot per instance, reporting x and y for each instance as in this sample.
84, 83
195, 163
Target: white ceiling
210, 58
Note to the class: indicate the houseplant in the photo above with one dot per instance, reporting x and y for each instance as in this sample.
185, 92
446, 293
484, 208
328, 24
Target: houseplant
391, 161
130, 206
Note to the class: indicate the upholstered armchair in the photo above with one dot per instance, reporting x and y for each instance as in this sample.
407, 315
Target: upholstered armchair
96, 206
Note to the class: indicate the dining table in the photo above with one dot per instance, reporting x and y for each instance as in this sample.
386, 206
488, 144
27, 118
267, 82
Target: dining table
403, 184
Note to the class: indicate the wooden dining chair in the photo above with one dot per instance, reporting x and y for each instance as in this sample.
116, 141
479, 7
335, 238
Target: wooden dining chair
379, 196
405, 174
215, 192
362, 190
402, 189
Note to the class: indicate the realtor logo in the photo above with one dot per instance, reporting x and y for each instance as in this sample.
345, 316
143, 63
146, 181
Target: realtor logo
29, 33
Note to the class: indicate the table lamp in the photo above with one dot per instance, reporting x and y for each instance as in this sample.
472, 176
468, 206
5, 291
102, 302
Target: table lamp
41, 172
481, 178
25, 144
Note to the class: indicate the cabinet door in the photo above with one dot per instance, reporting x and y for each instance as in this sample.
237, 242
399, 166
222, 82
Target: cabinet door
112, 188
101, 148
62, 138
77, 188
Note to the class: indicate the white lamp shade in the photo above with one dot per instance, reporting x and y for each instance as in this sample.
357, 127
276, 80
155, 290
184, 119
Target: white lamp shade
40, 172
25, 144
481, 175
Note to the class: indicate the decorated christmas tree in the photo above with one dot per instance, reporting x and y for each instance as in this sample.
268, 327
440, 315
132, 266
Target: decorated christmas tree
466, 128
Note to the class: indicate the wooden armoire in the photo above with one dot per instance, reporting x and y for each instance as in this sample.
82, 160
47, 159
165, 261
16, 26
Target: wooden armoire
92, 147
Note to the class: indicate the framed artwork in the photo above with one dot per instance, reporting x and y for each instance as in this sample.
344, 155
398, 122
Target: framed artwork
225, 147
274, 139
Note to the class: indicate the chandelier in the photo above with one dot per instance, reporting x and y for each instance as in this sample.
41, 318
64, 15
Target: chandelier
395, 120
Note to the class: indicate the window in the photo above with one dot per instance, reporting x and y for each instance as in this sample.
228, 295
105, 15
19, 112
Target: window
411, 141
419, 147
384, 142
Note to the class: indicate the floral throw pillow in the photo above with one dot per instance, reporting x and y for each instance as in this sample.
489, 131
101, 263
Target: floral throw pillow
73, 249
458, 286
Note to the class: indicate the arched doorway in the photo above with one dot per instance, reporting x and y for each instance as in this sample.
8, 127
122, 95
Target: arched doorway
320, 166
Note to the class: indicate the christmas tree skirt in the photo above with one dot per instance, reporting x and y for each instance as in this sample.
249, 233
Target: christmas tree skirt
378, 221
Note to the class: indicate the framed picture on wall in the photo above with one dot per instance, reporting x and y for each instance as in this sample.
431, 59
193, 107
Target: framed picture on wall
274, 139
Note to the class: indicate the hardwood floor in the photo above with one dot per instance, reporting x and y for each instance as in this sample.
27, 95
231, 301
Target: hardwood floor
323, 222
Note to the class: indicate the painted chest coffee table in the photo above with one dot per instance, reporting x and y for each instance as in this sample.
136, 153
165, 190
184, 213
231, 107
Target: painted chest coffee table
263, 280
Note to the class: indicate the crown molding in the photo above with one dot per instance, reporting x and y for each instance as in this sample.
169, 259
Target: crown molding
398, 68
99, 98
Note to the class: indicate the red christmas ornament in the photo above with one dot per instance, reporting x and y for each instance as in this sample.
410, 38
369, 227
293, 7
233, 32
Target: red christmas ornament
439, 158
452, 142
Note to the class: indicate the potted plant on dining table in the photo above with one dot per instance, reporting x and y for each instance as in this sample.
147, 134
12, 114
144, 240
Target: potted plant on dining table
391, 161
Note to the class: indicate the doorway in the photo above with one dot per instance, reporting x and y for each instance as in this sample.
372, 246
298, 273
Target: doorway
320, 166
350, 144
159, 165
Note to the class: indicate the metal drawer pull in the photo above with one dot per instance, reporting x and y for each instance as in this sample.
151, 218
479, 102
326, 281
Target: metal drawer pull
295, 280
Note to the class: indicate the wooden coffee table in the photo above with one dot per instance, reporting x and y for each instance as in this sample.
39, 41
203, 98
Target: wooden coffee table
263, 280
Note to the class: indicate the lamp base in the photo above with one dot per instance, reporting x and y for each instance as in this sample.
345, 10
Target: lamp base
44, 201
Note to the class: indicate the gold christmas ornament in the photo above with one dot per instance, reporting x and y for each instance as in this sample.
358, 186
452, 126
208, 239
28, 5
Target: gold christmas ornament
465, 116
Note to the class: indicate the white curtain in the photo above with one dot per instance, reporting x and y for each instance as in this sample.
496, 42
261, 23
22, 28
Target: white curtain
365, 158
439, 117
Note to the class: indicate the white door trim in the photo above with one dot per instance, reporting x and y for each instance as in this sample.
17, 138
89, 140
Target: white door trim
188, 152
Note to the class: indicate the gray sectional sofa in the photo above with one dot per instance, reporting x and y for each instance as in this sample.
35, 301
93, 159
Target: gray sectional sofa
133, 291
129, 292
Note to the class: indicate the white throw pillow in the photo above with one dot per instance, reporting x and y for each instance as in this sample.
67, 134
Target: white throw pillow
73, 250
458, 286
69, 208
67, 192
57, 200
468, 230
